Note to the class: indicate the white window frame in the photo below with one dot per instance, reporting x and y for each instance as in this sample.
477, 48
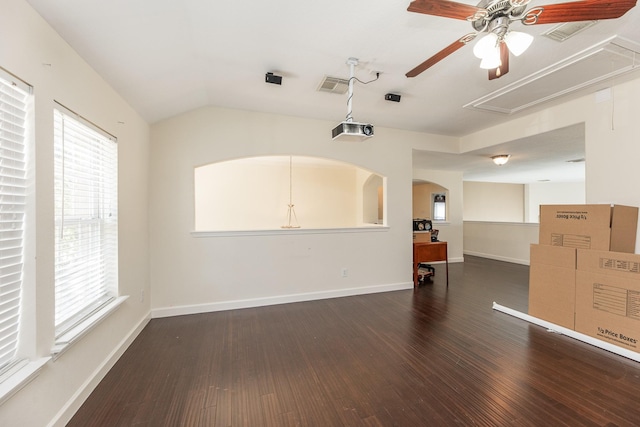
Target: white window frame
434, 201
84, 289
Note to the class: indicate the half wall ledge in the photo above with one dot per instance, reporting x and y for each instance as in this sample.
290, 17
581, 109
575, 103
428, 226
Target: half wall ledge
285, 231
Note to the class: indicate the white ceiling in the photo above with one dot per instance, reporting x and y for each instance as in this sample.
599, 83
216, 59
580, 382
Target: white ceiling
166, 57
546, 157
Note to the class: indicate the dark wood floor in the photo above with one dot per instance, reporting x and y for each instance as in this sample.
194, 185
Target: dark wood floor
429, 357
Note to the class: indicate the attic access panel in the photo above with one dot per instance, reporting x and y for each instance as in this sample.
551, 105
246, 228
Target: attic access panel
602, 62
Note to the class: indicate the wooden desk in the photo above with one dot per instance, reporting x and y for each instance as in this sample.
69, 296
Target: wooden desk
429, 252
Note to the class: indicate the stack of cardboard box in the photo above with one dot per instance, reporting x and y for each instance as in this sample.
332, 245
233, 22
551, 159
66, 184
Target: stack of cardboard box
584, 274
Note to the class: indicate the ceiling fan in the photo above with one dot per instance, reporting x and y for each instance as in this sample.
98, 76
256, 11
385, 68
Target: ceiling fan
494, 18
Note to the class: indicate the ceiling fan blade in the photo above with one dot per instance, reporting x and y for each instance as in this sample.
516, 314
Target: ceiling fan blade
448, 9
503, 69
586, 10
442, 54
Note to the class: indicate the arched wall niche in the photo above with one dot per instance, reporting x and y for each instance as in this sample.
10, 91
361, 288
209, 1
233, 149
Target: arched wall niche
254, 193
426, 198
373, 200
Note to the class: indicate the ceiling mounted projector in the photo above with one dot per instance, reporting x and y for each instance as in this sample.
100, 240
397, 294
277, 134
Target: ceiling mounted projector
349, 130
352, 131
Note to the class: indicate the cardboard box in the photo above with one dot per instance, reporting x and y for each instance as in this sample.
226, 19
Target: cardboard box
423, 236
608, 308
552, 280
598, 227
608, 297
609, 263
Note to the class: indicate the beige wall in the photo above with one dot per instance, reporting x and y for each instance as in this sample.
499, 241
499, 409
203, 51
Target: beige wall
423, 200
488, 201
253, 194
201, 273
509, 200
503, 241
370, 187
31, 50
192, 273
611, 140
450, 231
551, 193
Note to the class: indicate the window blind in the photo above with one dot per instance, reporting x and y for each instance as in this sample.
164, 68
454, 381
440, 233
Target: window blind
86, 224
13, 118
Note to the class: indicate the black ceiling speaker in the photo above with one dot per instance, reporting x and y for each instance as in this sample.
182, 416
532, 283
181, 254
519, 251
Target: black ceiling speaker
392, 97
272, 78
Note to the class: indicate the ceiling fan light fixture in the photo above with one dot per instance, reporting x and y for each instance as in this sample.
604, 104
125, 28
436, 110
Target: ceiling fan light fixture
485, 46
500, 159
518, 42
491, 60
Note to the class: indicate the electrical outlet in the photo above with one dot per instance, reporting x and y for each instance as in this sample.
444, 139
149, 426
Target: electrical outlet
345, 272
141, 295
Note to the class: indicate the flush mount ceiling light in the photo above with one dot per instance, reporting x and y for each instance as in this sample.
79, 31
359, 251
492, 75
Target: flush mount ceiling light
500, 159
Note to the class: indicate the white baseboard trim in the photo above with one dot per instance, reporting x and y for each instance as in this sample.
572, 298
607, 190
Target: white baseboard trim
498, 257
281, 299
451, 260
73, 404
569, 332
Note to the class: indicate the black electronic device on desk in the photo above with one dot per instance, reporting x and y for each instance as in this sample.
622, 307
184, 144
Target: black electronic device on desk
422, 224
434, 235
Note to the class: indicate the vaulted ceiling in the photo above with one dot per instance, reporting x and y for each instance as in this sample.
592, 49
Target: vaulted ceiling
166, 57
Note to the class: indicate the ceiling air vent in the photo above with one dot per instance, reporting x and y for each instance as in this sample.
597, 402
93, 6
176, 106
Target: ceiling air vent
333, 85
567, 30
600, 63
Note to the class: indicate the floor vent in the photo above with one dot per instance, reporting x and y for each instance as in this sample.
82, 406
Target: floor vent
333, 85
604, 61
567, 30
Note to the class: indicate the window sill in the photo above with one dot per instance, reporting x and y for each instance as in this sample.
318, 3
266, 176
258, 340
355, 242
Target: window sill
282, 231
23, 375
69, 338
